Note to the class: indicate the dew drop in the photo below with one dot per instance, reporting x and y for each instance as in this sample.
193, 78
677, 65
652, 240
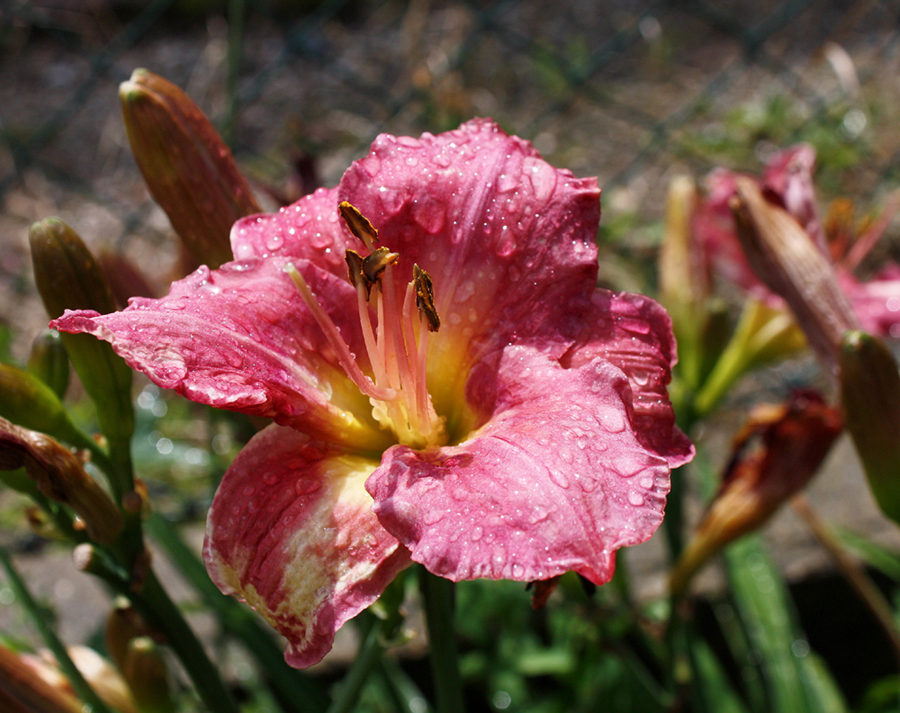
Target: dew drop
306, 486
559, 478
477, 534
636, 499
641, 377
647, 482
274, 241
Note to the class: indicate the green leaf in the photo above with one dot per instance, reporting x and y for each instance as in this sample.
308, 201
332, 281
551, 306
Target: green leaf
765, 609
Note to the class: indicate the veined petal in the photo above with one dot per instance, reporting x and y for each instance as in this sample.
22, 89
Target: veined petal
507, 238
634, 333
291, 531
557, 480
309, 229
241, 338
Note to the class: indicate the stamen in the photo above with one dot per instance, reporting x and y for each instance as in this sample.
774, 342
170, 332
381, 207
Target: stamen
345, 357
358, 224
425, 298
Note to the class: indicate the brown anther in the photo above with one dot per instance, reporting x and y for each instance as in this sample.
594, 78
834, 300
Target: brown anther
377, 263
355, 270
358, 224
368, 270
425, 298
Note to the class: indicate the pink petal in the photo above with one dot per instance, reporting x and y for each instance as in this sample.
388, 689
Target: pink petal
876, 302
507, 238
241, 338
291, 531
788, 180
634, 333
557, 480
308, 229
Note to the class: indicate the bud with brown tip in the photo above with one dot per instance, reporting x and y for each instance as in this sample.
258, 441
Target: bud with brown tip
188, 168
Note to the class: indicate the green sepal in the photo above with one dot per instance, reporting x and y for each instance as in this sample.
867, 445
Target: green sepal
28, 402
49, 362
870, 398
68, 277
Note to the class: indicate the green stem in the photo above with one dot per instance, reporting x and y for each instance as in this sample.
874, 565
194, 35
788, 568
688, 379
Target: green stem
161, 612
81, 687
437, 600
370, 651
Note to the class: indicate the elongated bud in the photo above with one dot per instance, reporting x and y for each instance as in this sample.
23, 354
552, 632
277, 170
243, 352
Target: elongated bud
60, 476
68, 277
123, 624
783, 256
109, 686
870, 396
188, 168
774, 456
24, 690
147, 675
29, 402
49, 362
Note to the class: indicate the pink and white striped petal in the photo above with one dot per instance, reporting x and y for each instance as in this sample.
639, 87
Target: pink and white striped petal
291, 531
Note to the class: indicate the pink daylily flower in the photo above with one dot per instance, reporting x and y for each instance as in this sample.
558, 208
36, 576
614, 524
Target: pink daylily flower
530, 435
787, 181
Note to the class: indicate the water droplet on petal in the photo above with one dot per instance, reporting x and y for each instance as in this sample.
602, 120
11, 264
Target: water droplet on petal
477, 534
636, 499
559, 478
306, 486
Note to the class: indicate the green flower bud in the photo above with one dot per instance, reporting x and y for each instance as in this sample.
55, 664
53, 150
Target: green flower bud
68, 277
147, 675
188, 168
870, 396
49, 362
27, 401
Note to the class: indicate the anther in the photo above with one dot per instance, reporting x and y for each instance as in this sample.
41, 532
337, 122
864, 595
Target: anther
425, 298
358, 224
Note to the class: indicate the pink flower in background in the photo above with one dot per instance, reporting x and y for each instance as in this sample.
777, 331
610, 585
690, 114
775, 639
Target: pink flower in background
529, 435
787, 182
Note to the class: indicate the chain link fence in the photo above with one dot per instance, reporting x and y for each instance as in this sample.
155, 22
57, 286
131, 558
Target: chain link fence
631, 91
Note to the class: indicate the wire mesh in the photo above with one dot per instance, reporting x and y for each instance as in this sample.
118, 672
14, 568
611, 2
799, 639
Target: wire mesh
631, 91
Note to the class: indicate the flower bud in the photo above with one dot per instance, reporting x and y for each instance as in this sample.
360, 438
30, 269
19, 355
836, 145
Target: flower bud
123, 624
96, 670
147, 675
49, 362
783, 256
774, 456
29, 402
68, 277
59, 475
24, 690
870, 397
188, 168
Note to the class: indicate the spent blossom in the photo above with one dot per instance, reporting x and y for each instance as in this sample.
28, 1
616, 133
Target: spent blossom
448, 384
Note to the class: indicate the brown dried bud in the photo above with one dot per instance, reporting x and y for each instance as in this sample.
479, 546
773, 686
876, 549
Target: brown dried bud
60, 476
188, 168
774, 456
